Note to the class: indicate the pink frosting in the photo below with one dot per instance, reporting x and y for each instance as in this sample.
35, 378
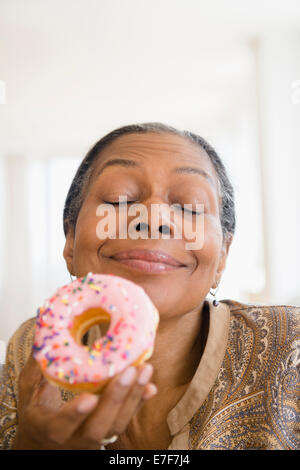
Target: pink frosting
131, 332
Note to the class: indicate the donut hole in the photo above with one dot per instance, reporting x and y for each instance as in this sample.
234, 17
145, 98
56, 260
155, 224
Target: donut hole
91, 325
95, 332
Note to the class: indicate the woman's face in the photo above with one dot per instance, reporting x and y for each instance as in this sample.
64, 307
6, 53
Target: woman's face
152, 169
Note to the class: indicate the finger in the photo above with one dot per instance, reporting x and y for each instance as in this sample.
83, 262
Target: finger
47, 395
133, 400
35, 387
109, 405
150, 391
31, 372
30, 377
65, 423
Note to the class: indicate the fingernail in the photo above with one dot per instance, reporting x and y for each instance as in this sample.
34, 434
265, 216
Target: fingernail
145, 374
86, 405
150, 391
127, 376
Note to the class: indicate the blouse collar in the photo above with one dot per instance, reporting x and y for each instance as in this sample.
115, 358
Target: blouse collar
207, 371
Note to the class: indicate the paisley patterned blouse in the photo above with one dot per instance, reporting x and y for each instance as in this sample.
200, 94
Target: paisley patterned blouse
245, 393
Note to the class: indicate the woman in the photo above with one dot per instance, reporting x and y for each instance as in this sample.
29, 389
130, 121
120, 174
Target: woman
223, 375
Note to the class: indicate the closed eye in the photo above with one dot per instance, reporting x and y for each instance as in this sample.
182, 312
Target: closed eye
187, 209
118, 203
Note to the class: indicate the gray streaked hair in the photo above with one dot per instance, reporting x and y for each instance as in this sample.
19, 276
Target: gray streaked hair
81, 180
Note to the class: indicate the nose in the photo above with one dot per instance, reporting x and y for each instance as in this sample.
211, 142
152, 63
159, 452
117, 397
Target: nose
142, 226
156, 221
163, 228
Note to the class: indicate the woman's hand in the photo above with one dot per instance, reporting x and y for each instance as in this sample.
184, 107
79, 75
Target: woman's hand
46, 422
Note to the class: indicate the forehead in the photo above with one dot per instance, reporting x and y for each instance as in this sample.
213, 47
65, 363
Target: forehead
156, 150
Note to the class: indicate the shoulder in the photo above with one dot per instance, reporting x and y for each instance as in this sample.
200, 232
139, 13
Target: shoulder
281, 320
265, 338
255, 400
20, 345
271, 330
263, 356
236, 306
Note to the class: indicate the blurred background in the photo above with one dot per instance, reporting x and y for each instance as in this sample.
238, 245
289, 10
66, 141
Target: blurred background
73, 70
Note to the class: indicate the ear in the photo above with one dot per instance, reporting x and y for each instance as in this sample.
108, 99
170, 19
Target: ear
68, 249
223, 258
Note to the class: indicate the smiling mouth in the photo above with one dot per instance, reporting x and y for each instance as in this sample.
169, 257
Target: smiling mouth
148, 261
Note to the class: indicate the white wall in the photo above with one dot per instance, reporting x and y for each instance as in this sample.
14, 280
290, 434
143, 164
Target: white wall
278, 68
75, 70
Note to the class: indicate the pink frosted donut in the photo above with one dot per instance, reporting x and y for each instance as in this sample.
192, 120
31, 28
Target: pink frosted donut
65, 318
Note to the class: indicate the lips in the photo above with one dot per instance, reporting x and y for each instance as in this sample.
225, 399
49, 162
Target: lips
150, 261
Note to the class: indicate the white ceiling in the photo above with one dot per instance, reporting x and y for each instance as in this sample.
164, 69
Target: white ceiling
155, 17
77, 68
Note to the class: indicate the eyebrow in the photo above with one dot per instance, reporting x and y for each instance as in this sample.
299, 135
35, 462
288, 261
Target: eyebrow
132, 163
118, 161
195, 171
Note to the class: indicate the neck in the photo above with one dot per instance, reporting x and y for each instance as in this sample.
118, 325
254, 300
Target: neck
178, 348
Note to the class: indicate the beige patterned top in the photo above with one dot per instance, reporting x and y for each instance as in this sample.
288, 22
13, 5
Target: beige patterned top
245, 393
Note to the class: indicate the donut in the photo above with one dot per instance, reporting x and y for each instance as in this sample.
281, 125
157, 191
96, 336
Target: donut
65, 318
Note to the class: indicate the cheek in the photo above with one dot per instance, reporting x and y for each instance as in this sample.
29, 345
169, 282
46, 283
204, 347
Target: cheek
209, 254
86, 239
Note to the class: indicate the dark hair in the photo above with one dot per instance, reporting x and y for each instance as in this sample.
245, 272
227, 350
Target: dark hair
81, 179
